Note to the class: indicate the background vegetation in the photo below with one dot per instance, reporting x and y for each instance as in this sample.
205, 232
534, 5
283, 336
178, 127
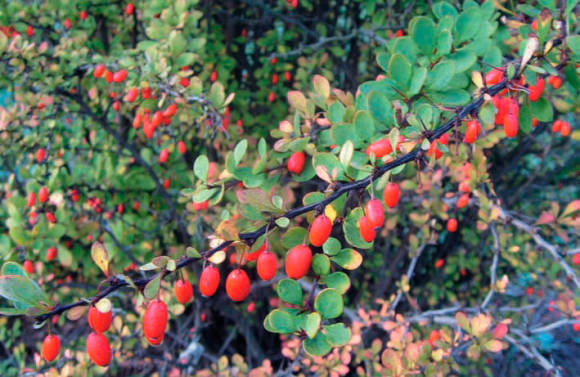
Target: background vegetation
254, 82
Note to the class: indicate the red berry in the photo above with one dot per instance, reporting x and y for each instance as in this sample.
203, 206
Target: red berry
99, 71
380, 148
155, 322
238, 285
391, 195
471, 132
576, 326
51, 253
50, 217
170, 111
439, 263
536, 90
320, 230
166, 183
183, 291
463, 201
565, 129
271, 96
146, 92
136, 206
251, 307
556, 82
494, 76
31, 199
109, 77
116, 106
83, 15
298, 261
129, 9
120, 76
275, 79
557, 126
464, 187
534, 122
40, 155
296, 162
214, 76
184, 81
67, 23
163, 156
367, 231
254, 255
375, 213
30, 31
132, 95
120, 208
267, 265
273, 60
50, 347
535, 25
209, 281
452, 225
181, 147
28, 267
433, 337
200, 206
510, 125
100, 321
98, 349
287, 76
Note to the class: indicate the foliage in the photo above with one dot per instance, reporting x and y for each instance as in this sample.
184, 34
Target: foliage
133, 138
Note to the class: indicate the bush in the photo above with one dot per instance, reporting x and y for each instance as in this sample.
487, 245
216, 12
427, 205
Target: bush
353, 188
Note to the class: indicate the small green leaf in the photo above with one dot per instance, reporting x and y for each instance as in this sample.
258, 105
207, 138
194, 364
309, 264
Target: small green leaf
152, 288
337, 280
329, 303
399, 69
192, 252
22, 290
289, 291
337, 334
282, 222
310, 323
320, 264
240, 150
348, 259
280, 321
294, 236
332, 246
201, 167
317, 346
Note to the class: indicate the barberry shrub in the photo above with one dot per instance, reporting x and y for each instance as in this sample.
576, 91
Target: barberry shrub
324, 187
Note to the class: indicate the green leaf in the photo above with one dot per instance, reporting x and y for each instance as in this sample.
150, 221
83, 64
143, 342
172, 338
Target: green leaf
282, 222
12, 311
463, 59
348, 259
152, 288
331, 163
337, 334
289, 291
467, 25
573, 42
399, 69
204, 195
201, 167
542, 110
336, 112
240, 150
417, 81
329, 303
186, 59
176, 43
364, 125
294, 236
280, 321
337, 280
332, 246
20, 236
455, 97
12, 268
217, 94
379, 106
422, 30
22, 290
525, 119
351, 229
310, 323
441, 75
320, 264
317, 346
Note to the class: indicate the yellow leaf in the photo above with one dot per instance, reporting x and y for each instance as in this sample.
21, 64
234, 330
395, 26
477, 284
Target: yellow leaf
104, 305
330, 212
100, 257
218, 257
